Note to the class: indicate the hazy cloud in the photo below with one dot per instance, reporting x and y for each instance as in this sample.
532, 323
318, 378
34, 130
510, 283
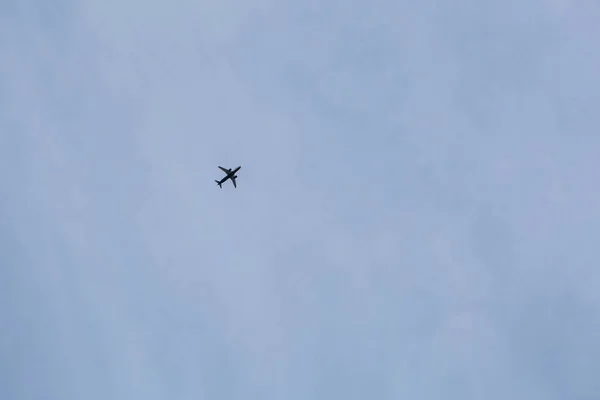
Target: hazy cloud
415, 217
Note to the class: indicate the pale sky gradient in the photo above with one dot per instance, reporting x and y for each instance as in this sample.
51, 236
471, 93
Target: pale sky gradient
417, 215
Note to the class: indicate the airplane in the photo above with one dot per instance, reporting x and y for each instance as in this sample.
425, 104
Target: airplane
230, 175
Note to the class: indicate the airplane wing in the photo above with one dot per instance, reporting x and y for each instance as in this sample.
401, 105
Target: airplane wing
227, 171
233, 181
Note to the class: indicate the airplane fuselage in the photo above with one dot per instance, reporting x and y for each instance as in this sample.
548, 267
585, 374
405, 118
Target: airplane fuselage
229, 175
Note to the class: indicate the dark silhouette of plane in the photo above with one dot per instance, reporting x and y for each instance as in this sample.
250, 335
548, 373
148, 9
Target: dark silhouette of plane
230, 175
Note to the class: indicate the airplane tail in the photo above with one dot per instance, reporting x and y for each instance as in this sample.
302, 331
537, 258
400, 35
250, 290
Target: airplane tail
219, 183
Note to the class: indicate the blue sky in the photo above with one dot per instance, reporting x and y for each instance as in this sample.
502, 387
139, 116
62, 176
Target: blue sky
416, 217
